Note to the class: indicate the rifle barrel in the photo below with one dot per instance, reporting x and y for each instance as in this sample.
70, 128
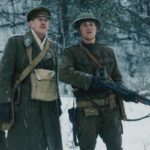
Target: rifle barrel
127, 94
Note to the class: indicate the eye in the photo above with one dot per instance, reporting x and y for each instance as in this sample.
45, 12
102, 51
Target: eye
92, 24
39, 19
89, 24
45, 19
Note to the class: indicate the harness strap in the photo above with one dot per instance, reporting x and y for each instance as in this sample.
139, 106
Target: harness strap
32, 64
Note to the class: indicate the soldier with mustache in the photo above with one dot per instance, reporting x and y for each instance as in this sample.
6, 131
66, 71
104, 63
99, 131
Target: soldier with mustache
36, 122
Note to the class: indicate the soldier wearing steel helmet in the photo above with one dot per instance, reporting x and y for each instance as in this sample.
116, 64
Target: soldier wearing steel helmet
97, 112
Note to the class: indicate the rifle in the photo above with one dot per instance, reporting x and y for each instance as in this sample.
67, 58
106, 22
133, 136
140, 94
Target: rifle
124, 92
107, 83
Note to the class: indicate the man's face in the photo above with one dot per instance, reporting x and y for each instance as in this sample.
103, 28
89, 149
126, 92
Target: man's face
40, 25
88, 30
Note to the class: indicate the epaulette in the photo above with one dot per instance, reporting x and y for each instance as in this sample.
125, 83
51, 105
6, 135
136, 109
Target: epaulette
16, 35
73, 45
105, 44
54, 42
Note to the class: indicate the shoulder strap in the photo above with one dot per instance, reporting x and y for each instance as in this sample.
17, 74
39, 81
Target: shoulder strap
32, 64
92, 57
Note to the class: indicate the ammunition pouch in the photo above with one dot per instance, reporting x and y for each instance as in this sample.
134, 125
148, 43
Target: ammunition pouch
43, 85
92, 106
109, 101
91, 111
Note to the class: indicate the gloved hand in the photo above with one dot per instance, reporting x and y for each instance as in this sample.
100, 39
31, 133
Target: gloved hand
3, 143
96, 84
5, 112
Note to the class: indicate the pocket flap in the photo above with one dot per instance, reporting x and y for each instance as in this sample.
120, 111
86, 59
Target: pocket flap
43, 74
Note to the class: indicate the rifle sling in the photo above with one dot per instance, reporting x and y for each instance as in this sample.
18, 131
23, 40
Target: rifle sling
92, 57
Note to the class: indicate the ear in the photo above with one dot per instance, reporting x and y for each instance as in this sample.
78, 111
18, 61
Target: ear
31, 24
78, 29
97, 29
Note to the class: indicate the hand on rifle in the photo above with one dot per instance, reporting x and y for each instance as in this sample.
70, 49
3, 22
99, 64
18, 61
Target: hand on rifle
96, 84
117, 87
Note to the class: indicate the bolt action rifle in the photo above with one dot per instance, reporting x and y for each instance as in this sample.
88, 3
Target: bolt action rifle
127, 94
107, 83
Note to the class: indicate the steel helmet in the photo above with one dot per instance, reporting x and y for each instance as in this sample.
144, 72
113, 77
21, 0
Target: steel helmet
84, 17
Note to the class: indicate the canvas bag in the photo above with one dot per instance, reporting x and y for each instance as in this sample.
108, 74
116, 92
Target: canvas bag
43, 85
43, 82
15, 100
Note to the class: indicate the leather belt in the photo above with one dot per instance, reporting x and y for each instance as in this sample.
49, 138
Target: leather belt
109, 101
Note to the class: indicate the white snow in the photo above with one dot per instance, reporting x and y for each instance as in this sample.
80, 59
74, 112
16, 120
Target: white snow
136, 134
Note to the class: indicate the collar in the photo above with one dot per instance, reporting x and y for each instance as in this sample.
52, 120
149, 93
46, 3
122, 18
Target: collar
27, 39
37, 39
90, 46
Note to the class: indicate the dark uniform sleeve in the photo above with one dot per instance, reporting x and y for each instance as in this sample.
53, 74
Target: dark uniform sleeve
70, 75
7, 66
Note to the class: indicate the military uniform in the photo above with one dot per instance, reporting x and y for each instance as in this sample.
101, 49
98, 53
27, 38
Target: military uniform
77, 69
36, 125
3, 144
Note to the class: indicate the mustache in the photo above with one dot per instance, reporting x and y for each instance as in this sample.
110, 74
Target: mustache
42, 26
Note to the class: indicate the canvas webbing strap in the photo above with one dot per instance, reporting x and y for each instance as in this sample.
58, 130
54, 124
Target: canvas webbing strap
92, 57
33, 63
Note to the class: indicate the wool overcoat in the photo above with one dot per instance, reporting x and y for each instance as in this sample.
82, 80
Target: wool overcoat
36, 125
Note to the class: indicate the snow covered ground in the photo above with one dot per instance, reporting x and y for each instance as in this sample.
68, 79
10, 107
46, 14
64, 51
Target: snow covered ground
136, 135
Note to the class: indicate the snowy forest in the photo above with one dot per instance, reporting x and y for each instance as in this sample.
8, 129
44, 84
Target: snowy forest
125, 26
